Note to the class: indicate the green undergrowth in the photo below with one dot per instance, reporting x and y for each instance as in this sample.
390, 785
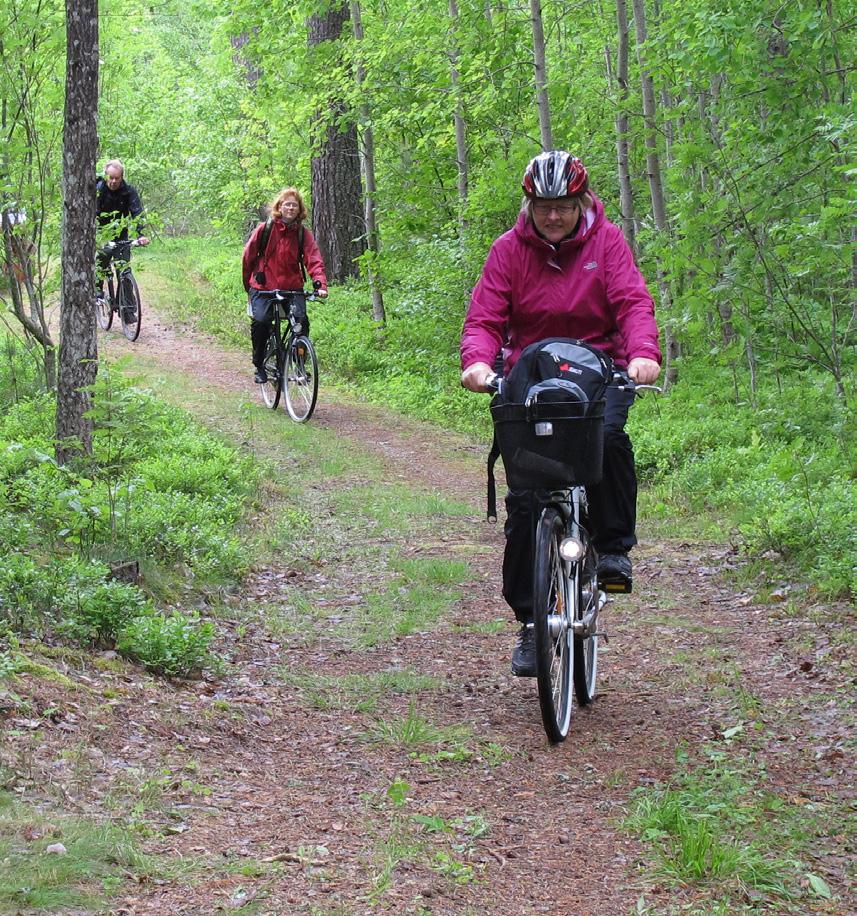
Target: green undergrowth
720, 827
95, 861
772, 470
91, 549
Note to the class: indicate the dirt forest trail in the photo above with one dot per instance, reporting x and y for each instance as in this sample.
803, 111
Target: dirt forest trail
325, 775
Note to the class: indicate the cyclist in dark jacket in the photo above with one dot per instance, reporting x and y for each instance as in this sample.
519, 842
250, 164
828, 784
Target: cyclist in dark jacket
117, 206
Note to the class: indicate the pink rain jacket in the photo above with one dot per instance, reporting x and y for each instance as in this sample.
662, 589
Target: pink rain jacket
587, 287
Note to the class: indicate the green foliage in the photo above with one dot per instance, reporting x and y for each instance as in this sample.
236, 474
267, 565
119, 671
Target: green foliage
176, 646
718, 826
158, 486
97, 860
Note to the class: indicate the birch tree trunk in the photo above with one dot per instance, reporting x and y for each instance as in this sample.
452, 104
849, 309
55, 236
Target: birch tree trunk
337, 212
626, 194
541, 74
460, 133
656, 187
367, 165
78, 353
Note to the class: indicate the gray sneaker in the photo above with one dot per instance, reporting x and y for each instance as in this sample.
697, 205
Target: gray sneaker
524, 653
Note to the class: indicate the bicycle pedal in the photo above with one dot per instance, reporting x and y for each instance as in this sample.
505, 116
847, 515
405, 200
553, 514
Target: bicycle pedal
618, 585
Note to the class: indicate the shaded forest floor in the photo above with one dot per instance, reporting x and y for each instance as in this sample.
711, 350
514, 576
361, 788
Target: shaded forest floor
366, 748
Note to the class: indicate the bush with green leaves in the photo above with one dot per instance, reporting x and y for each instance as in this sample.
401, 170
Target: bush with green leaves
158, 485
177, 646
69, 599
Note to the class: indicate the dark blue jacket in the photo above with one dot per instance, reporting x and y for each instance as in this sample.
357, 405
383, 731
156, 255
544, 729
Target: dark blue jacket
113, 206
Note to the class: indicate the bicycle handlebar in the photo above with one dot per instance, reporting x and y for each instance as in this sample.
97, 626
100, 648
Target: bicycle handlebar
107, 247
621, 381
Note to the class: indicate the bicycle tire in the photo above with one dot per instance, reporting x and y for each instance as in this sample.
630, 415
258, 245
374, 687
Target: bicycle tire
552, 627
130, 312
273, 369
104, 306
586, 599
301, 379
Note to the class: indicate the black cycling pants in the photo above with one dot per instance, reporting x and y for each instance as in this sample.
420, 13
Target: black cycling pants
262, 321
612, 509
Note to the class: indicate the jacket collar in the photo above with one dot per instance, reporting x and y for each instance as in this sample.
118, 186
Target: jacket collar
592, 219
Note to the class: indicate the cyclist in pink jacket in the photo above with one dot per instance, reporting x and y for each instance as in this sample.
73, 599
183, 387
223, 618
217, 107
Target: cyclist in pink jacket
564, 270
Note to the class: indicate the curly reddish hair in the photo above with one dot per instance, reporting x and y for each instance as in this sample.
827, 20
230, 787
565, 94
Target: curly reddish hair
276, 206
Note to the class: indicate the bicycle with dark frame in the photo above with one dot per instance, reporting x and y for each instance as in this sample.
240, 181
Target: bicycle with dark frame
122, 294
555, 450
290, 362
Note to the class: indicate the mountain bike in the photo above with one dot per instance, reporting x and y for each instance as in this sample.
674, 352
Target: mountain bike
290, 360
122, 295
556, 450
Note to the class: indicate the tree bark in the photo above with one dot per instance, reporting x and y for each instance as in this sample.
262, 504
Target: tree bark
78, 353
626, 194
460, 131
367, 164
656, 188
541, 74
337, 213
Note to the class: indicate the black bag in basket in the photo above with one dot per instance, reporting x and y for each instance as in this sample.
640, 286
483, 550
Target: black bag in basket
549, 417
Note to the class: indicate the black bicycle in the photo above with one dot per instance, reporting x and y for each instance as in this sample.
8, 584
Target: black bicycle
555, 450
291, 364
122, 294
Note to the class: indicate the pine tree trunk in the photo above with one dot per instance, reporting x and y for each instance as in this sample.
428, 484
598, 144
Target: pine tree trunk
367, 165
78, 353
337, 213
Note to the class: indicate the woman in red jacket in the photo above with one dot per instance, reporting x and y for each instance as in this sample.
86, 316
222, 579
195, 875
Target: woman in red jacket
564, 270
290, 253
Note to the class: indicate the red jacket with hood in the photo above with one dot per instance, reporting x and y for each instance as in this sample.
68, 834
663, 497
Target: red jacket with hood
587, 287
280, 261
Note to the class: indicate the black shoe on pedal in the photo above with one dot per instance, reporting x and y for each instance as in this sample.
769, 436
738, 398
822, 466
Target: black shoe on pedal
261, 376
615, 573
524, 653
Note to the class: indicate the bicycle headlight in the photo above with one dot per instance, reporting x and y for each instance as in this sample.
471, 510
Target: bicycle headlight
570, 549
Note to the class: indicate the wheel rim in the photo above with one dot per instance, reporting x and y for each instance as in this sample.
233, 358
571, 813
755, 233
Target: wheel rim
301, 377
103, 312
129, 308
271, 388
586, 649
553, 632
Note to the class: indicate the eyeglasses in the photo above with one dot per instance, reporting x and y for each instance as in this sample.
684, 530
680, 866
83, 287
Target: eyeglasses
544, 208
290, 206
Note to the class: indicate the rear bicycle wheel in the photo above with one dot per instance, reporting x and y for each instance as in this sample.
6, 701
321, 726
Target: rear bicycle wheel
586, 606
104, 305
552, 627
130, 312
301, 379
273, 369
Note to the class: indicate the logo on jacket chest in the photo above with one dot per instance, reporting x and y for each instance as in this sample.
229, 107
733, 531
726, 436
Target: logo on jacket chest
590, 265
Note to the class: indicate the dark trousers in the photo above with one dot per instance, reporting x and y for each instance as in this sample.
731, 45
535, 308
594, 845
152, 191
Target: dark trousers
612, 509
261, 323
262, 320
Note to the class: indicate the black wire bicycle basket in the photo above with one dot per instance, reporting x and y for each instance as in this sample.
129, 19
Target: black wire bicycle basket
550, 445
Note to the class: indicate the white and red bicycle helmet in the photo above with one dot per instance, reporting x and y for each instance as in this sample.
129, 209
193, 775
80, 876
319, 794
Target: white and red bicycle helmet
554, 174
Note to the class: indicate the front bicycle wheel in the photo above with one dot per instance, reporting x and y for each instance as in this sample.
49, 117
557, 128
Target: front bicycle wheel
130, 311
552, 627
301, 379
586, 606
272, 388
